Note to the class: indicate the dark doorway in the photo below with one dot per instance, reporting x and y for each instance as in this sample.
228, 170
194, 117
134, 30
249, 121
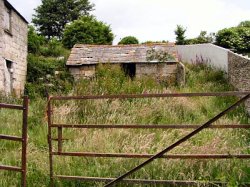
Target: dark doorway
8, 76
129, 69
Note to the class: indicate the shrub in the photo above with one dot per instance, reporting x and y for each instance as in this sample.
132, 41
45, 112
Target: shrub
53, 48
160, 56
87, 30
129, 40
155, 42
111, 79
35, 41
235, 38
42, 75
202, 38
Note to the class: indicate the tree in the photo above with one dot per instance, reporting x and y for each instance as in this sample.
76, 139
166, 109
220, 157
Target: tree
52, 16
129, 40
87, 30
180, 35
235, 38
201, 39
204, 37
244, 24
34, 41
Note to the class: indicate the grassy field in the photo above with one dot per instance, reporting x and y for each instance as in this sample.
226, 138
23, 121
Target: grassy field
132, 111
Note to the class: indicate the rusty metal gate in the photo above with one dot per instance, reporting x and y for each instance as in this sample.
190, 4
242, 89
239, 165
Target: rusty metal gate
112, 181
23, 140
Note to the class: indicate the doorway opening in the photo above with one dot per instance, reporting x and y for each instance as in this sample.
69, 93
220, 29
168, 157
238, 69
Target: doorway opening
129, 69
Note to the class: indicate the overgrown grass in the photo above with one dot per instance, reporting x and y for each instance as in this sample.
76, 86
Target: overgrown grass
111, 80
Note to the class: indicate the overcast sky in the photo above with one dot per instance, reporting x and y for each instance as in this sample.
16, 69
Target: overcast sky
157, 19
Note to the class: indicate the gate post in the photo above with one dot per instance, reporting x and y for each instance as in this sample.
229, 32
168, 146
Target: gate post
24, 140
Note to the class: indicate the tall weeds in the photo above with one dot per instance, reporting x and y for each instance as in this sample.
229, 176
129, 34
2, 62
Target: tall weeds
111, 80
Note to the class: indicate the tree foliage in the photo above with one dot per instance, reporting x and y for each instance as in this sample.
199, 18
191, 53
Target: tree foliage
244, 24
52, 15
180, 35
41, 76
129, 40
235, 38
35, 41
202, 38
87, 30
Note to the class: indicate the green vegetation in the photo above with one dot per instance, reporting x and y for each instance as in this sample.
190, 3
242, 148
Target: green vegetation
52, 15
129, 40
180, 35
160, 56
244, 24
156, 42
47, 70
235, 38
111, 80
47, 75
202, 38
87, 30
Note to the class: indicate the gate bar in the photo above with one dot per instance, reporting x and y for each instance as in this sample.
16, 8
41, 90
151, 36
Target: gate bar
133, 96
178, 142
174, 156
8, 106
10, 168
145, 181
12, 138
77, 126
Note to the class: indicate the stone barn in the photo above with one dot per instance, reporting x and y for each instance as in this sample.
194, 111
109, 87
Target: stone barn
136, 60
13, 49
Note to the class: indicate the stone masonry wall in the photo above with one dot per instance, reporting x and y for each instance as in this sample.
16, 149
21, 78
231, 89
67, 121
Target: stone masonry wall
14, 48
161, 71
239, 73
1, 45
84, 71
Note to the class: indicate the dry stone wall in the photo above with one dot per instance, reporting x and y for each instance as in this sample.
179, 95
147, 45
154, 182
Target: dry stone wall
239, 73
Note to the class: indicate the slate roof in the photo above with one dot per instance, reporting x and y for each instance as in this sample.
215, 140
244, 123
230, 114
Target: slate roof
94, 54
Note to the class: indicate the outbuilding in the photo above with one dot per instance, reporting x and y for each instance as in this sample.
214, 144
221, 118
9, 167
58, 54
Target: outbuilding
157, 60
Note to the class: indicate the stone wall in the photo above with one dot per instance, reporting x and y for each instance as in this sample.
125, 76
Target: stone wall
13, 46
2, 61
84, 71
239, 73
161, 71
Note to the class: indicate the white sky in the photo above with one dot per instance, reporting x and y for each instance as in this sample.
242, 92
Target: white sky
157, 19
